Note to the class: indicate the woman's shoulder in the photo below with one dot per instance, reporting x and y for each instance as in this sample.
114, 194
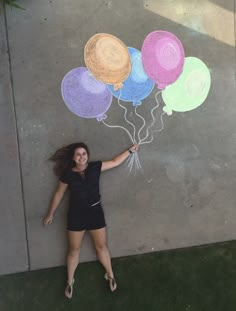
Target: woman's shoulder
66, 175
95, 164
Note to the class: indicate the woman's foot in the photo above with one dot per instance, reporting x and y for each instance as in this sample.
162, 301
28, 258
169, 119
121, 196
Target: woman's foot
69, 289
112, 282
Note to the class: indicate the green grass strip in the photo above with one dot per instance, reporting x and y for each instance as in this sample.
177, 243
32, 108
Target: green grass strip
192, 279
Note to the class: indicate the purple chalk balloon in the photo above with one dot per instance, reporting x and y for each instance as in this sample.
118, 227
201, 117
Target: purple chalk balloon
162, 57
84, 95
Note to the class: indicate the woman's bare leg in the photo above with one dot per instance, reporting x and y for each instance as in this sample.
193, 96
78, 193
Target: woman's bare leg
99, 239
75, 239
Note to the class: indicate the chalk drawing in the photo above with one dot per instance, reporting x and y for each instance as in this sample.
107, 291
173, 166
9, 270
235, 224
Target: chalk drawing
84, 95
108, 59
130, 76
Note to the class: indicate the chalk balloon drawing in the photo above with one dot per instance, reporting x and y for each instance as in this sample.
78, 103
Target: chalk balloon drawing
84, 95
130, 76
163, 57
190, 90
108, 59
138, 85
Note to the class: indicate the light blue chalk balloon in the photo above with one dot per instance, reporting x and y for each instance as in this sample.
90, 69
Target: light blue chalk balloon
137, 86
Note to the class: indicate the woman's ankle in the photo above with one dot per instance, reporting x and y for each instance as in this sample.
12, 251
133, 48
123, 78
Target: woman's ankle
70, 280
110, 275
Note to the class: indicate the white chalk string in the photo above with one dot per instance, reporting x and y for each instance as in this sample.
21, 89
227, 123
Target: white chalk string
138, 161
131, 163
128, 161
135, 167
134, 163
118, 126
126, 117
158, 130
153, 118
144, 122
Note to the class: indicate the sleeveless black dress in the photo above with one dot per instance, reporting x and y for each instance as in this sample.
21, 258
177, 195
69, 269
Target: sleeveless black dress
85, 210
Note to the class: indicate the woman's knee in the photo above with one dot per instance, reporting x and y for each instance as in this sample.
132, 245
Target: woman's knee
73, 251
100, 247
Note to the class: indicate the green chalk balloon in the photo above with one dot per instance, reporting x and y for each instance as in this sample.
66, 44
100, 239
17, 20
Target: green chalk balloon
190, 90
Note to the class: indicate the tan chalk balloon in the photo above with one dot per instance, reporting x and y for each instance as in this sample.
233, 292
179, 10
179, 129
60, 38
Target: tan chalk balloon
107, 58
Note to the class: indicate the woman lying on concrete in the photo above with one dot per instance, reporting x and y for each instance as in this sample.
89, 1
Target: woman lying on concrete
85, 211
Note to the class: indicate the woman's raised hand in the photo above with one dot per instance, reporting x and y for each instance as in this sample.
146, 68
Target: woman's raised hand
134, 148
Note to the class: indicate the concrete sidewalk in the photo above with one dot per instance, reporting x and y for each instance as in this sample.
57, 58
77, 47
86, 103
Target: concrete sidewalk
186, 193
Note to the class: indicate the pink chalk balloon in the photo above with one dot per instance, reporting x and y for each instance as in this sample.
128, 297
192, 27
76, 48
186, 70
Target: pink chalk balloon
162, 57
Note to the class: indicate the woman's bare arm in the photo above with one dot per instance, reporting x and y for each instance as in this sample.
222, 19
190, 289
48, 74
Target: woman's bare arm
116, 161
61, 188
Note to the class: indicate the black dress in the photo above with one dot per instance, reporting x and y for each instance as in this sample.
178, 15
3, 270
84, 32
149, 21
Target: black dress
85, 210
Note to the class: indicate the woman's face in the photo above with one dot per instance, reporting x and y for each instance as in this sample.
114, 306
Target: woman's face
80, 156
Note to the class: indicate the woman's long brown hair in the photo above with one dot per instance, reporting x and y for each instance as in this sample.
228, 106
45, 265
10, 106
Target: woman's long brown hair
63, 157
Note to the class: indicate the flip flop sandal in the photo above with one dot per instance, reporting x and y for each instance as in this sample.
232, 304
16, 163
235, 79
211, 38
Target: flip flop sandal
69, 289
112, 282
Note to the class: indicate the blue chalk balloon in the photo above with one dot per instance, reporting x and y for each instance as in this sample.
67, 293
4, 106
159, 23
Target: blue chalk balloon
138, 85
